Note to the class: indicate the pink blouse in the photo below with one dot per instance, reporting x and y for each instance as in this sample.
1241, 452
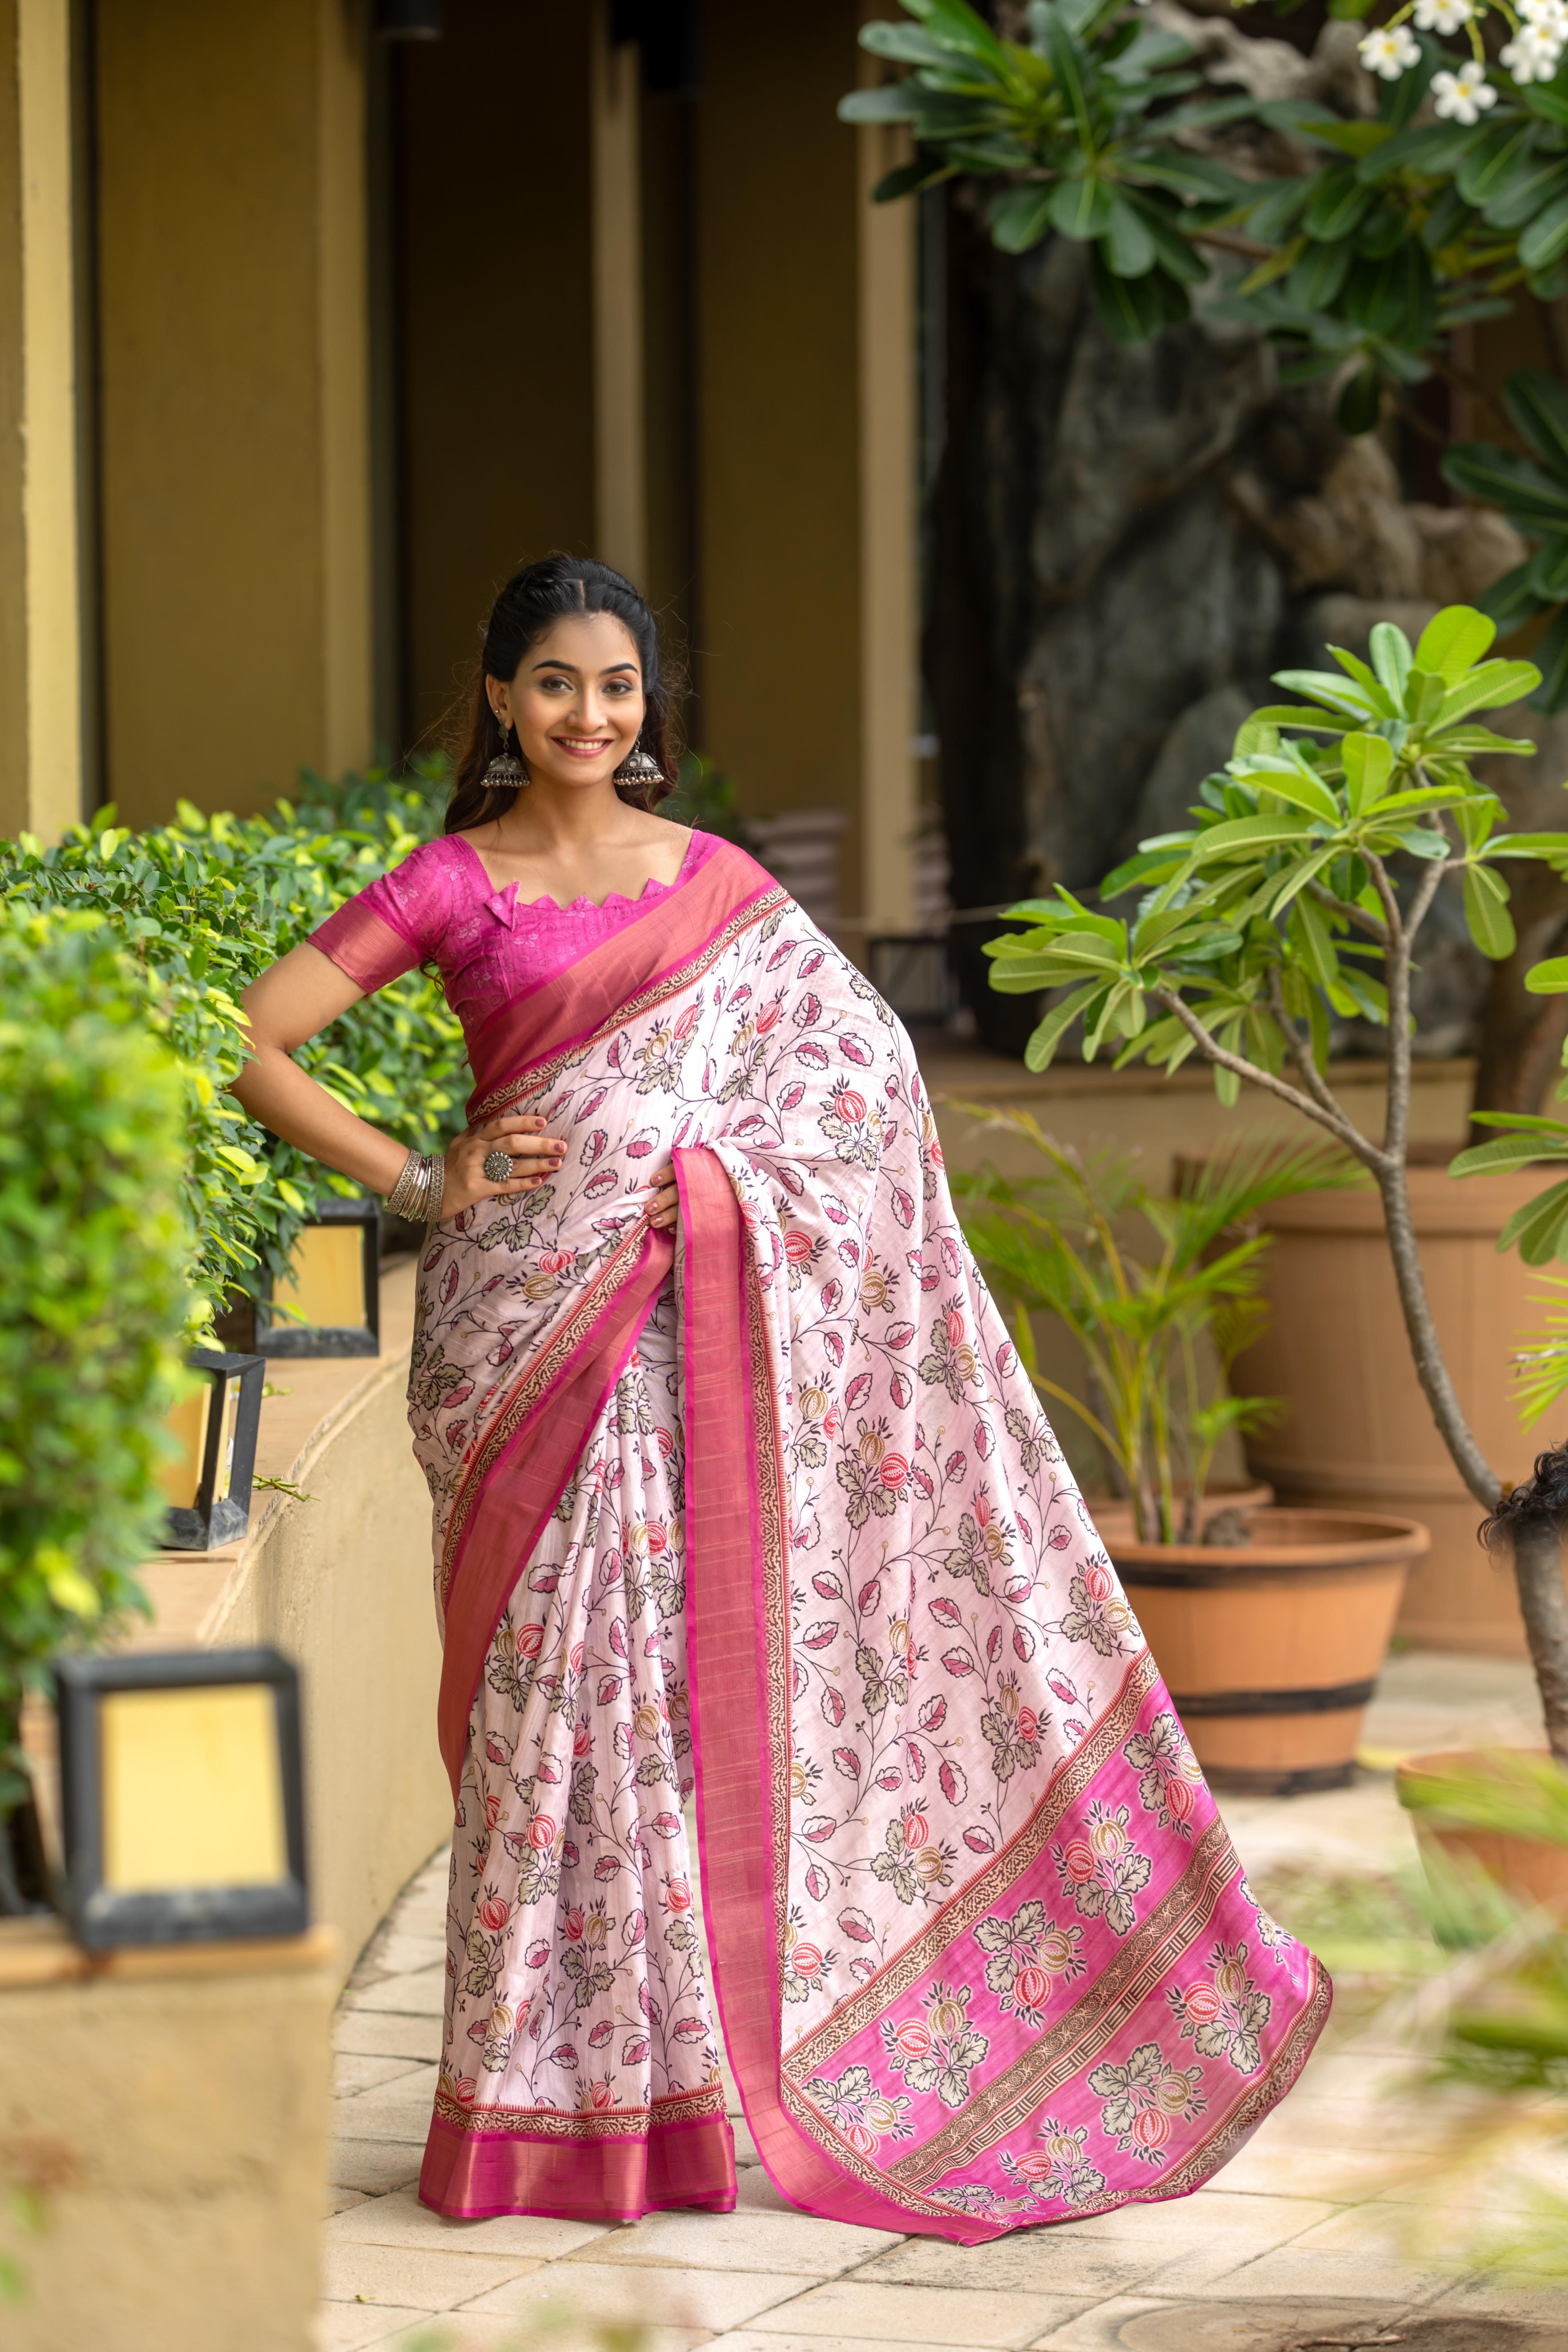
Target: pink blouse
440, 906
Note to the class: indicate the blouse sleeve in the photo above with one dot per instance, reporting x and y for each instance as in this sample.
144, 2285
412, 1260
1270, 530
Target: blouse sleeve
399, 921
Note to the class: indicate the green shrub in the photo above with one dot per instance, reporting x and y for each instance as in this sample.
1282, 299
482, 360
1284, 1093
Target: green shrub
202, 907
94, 1250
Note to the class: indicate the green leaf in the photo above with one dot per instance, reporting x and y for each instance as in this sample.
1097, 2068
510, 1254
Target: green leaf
1538, 1231
1316, 280
1501, 477
1246, 834
1359, 403
1547, 571
1132, 309
1130, 248
1453, 641
1513, 598
1486, 913
1487, 686
1368, 763
1545, 241
1552, 656
1019, 218
1537, 405
1540, 181
1082, 207
1549, 978
1185, 175
1338, 205
1491, 163
1391, 658
1434, 150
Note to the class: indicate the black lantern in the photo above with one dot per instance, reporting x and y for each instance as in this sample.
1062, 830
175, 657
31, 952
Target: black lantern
206, 1483
180, 1797
333, 1286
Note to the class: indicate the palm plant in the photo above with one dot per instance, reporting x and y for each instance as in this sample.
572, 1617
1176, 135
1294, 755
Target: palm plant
1054, 1243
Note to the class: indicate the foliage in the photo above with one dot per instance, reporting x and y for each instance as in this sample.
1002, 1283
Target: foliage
206, 904
93, 1253
1053, 1243
709, 798
1441, 210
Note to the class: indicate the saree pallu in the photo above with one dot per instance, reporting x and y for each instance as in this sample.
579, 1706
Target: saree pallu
771, 1511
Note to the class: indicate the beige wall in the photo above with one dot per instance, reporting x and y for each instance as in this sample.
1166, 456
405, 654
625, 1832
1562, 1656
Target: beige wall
497, 324
778, 497
235, 463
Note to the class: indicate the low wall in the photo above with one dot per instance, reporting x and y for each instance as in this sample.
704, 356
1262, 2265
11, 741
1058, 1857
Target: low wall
342, 1584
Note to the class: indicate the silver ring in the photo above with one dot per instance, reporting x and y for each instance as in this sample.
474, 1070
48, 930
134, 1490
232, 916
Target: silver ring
497, 1167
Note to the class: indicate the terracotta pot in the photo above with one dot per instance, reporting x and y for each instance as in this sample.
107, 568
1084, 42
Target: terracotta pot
1359, 1434
1272, 1650
1530, 1868
1112, 1516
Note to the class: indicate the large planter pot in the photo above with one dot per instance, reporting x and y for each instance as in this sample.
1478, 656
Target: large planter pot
1530, 1868
1358, 1433
1272, 1650
1112, 1515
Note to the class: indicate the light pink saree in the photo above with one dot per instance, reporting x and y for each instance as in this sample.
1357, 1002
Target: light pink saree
774, 1511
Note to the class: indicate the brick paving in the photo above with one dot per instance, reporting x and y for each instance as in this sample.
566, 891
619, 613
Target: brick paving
1306, 2235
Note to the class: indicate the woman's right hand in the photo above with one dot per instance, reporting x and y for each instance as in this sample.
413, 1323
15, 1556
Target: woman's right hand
535, 1156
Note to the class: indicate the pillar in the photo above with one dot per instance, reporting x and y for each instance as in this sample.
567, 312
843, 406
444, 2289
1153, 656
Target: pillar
889, 621
620, 490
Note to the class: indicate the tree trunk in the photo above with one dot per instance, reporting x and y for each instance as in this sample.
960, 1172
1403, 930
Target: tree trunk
1543, 1605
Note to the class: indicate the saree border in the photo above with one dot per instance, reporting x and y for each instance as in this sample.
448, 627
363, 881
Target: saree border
675, 2107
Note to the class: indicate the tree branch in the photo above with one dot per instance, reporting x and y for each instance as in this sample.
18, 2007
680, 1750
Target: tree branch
1353, 914
1213, 1051
1302, 1054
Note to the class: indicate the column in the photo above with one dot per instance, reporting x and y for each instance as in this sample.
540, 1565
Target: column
620, 489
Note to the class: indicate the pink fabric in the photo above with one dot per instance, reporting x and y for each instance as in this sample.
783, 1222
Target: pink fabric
985, 1951
489, 946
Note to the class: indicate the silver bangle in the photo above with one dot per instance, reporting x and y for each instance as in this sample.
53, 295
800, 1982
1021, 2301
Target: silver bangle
417, 1193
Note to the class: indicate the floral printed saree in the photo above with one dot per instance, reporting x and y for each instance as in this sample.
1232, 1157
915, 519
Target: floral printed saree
769, 1511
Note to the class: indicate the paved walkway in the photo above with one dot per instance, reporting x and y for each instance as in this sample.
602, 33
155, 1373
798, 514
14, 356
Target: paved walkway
1304, 2238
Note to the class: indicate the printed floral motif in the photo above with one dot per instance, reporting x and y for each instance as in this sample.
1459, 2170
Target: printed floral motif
1057, 2170
1222, 2015
1282, 1947
1025, 1955
863, 2114
1102, 1868
1145, 2100
940, 2051
1171, 1776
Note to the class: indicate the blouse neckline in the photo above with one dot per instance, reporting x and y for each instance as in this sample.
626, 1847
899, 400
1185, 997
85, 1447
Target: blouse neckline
502, 899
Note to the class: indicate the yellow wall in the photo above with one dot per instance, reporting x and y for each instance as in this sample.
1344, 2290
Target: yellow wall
779, 493
13, 417
497, 325
234, 438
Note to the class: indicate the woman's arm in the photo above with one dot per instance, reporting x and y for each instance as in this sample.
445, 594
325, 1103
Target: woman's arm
298, 997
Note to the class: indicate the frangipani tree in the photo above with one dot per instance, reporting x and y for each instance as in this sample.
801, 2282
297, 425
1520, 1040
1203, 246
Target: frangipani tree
1299, 893
1446, 206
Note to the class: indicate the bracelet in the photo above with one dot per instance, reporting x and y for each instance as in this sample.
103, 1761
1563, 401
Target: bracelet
417, 1195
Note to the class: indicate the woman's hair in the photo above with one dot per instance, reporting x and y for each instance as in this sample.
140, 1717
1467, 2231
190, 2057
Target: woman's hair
531, 603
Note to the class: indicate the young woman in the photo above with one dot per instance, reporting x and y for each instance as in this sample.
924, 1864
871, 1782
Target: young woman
739, 1483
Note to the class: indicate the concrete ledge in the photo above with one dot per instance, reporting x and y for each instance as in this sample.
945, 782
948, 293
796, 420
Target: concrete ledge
342, 1584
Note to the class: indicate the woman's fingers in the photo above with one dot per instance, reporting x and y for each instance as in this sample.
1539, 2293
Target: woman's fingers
665, 1205
511, 1123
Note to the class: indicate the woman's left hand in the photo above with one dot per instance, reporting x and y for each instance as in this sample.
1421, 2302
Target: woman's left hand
665, 1205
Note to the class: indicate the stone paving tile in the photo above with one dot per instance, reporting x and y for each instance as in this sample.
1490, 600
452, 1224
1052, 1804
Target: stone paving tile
355, 2070
402, 1951
421, 1993
1040, 2262
920, 2315
376, 2165
473, 2331
746, 2239
412, 2277
399, 2109
1098, 2329
400, 2220
349, 2327
376, 2033
747, 2339
1359, 2252
1481, 2298
704, 2300
1332, 2176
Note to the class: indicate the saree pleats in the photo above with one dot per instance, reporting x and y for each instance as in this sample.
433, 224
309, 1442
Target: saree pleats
784, 1527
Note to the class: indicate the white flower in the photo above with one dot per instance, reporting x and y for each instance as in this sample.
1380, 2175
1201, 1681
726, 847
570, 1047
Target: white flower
1550, 15
1460, 97
1389, 51
1532, 55
1447, 15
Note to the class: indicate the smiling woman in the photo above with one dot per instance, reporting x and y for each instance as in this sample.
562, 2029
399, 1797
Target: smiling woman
767, 1513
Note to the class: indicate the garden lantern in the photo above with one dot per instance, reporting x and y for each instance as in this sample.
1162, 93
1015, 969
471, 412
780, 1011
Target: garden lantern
333, 1286
206, 1484
182, 1797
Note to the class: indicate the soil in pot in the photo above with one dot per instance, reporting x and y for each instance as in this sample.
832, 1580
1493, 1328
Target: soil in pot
1232, 1504
1530, 1868
1359, 1434
1272, 1649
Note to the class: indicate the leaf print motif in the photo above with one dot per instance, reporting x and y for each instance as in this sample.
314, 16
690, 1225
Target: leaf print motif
939, 2052
1057, 2167
1145, 2101
1170, 1773
1224, 2014
1102, 1870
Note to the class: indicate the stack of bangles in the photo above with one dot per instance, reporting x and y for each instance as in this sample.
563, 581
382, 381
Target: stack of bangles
417, 1195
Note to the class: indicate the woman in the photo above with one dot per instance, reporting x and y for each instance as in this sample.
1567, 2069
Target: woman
739, 1484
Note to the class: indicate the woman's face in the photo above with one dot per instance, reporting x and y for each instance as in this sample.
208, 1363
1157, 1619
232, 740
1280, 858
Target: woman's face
576, 701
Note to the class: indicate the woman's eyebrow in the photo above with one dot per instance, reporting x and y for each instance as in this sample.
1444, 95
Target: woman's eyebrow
550, 662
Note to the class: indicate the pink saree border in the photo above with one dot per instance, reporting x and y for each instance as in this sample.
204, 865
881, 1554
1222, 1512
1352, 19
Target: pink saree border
519, 1477
689, 2160
518, 1049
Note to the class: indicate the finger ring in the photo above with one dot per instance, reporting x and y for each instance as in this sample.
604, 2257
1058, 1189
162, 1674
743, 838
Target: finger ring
497, 1167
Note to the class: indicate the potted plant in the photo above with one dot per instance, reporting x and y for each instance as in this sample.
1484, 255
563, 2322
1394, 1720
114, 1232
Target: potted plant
1299, 893
1269, 1626
94, 1249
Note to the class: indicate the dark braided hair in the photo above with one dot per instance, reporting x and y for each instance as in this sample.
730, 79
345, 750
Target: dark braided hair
1539, 1500
533, 600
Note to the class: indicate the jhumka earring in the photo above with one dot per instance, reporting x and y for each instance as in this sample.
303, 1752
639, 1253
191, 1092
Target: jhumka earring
506, 772
639, 768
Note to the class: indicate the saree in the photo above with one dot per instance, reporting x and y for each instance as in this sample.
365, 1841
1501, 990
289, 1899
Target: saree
767, 1513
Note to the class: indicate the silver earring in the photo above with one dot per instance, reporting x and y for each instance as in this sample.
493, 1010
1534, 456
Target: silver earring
506, 772
639, 768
